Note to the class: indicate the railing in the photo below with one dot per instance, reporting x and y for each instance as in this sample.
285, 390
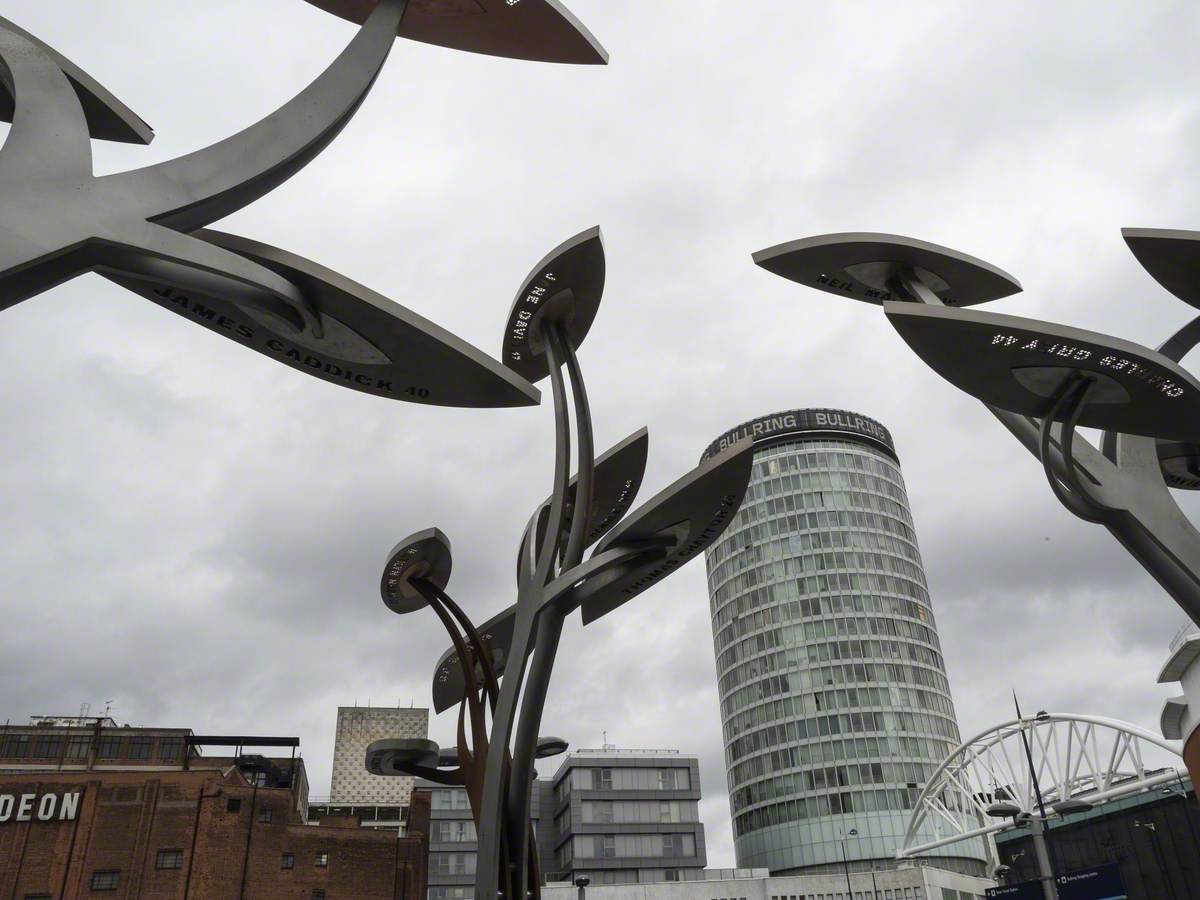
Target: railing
608, 751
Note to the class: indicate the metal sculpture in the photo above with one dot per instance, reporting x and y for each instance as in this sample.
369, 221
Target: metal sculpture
511, 657
1042, 381
1079, 761
143, 228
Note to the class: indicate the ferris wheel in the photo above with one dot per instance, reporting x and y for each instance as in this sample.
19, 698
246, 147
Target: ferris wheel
1078, 760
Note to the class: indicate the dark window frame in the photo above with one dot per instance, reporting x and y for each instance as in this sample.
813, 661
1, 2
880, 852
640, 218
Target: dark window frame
321, 860
170, 749
288, 861
141, 747
47, 746
106, 880
78, 743
105, 747
11, 744
169, 859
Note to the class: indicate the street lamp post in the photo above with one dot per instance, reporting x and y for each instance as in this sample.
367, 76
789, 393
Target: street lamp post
1159, 856
853, 832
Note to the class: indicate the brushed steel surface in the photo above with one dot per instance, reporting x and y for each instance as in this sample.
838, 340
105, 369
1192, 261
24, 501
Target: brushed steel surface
982, 353
536, 30
866, 266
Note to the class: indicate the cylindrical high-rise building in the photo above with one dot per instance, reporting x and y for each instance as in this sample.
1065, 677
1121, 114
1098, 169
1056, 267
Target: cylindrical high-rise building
834, 699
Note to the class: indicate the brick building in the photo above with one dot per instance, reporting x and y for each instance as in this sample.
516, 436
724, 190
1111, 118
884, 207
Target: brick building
89, 809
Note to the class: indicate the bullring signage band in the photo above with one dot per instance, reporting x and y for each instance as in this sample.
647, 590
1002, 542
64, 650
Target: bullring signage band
777, 426
45, 808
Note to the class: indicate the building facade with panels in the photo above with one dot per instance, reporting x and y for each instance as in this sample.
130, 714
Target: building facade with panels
834, 699
454, 842
357, 728
627, 816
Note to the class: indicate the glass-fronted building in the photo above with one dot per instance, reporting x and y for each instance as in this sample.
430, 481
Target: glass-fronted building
628, 817
834, 699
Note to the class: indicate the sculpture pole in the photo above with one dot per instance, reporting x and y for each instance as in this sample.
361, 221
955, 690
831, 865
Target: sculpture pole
552, 314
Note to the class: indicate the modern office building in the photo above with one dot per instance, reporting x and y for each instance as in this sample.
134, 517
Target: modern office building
1149, 842
627, 816
834, 699
454, 843
89, 808
357, 728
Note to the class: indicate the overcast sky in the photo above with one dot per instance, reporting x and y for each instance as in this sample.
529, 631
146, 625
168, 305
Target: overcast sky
197, 533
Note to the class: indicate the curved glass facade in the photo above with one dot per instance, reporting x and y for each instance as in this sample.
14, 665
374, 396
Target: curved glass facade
834, 699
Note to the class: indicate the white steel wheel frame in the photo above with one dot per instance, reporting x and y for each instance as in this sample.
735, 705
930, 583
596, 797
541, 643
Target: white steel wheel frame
1072, 755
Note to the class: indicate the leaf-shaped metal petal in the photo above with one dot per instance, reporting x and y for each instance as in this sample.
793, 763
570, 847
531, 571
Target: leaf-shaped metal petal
108, 119
617, 480
1172, 257
449, 686
565, 286
393, 756
538, 30
426, 555
686, 517
1020, 365
865, 266
370, 344
550, 746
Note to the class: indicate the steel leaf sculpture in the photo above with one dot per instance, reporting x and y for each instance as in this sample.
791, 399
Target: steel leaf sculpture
511, 656
1043, 381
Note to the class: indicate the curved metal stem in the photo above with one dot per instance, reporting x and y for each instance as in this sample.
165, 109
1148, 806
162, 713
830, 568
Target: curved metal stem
1069, 491
1178, 345
491, 682
552, 540
49, 134
581, 518
501, 840
460, 647
918, 289
201, 187
550, 621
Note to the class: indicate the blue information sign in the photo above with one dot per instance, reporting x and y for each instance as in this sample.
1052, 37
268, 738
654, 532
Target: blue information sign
1099, 883
1025, 890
